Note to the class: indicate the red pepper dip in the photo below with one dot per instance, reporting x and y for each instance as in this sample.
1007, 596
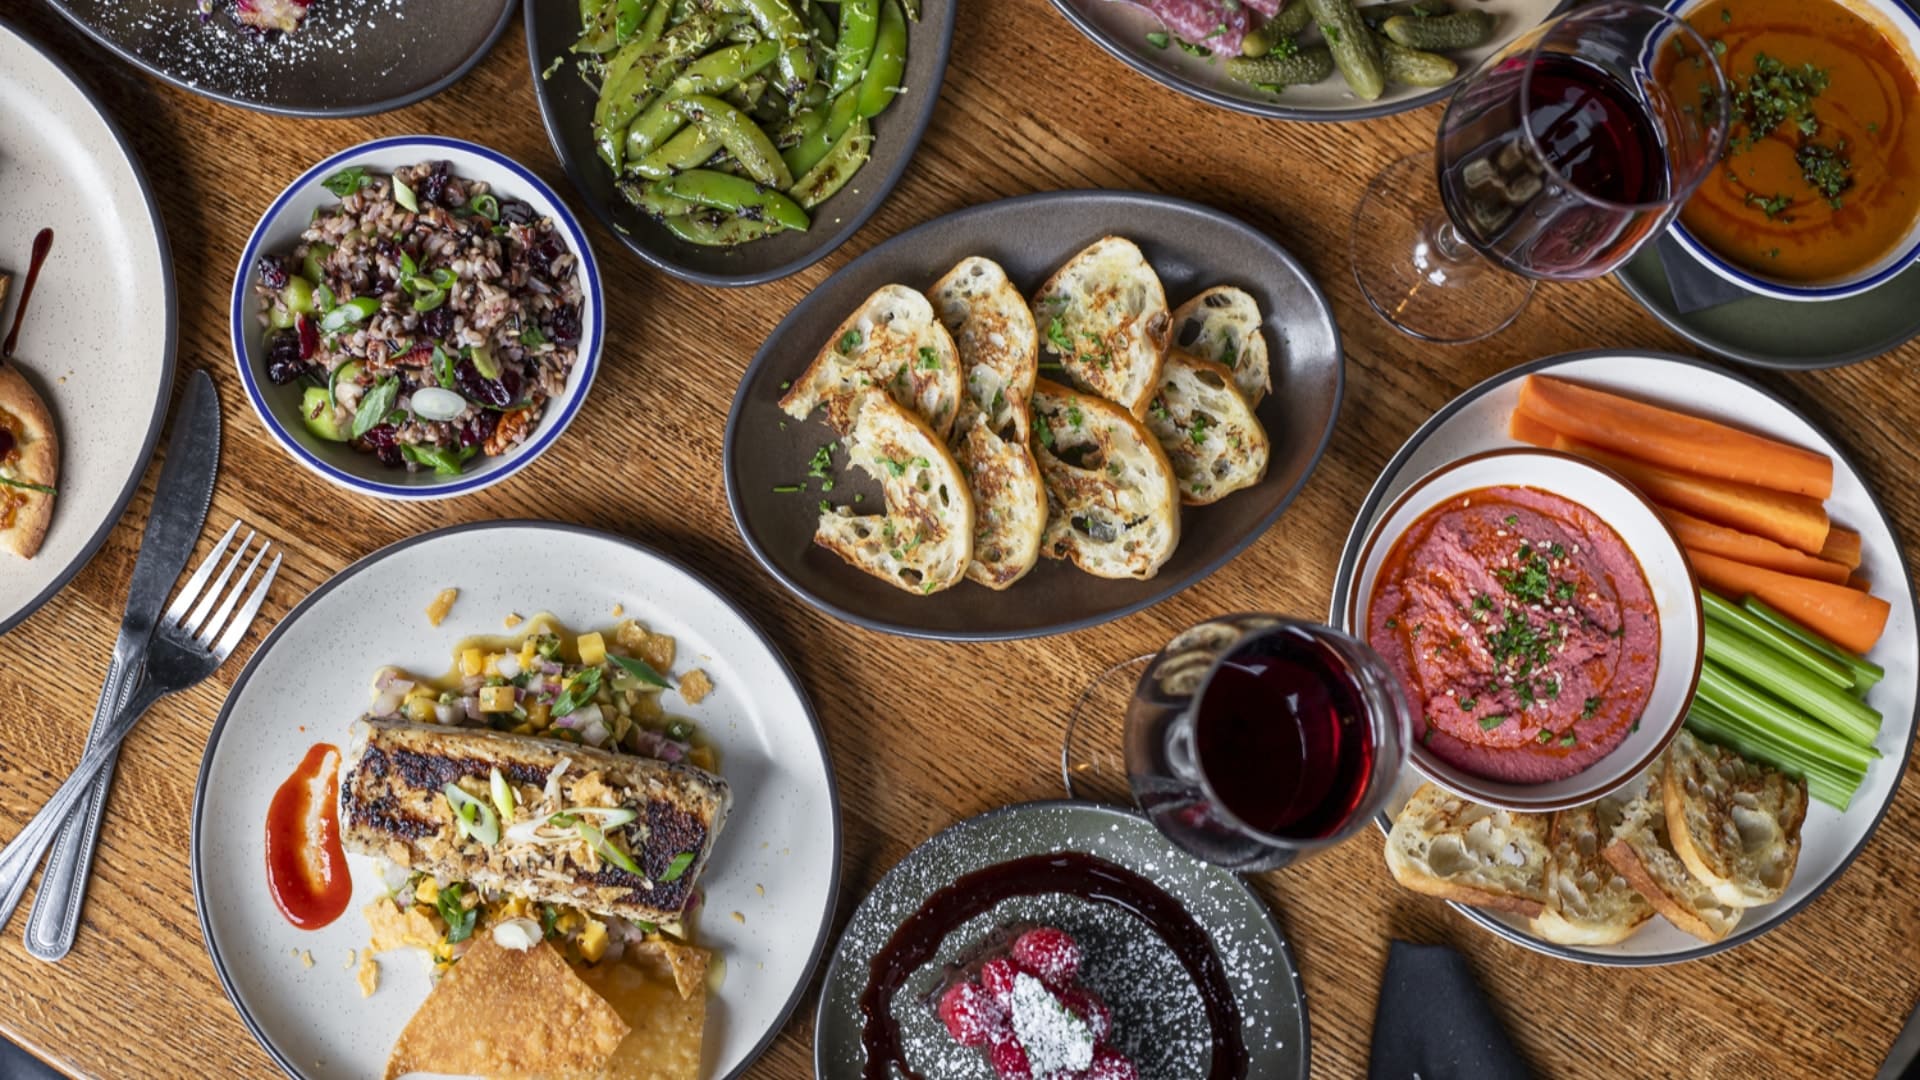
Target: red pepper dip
1523, 630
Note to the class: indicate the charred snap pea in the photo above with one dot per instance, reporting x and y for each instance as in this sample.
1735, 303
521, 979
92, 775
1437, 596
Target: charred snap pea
809, 151
1352, 46
738, 135
686, 150
777, 20
882, 80
714, 73
715, 229
823, 180
859, 26
653, 202
1307, 64
737, 195
1411, 67
1460, 30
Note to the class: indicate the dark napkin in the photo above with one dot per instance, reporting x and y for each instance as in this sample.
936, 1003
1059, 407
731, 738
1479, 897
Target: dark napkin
1694, 286
1433, 1022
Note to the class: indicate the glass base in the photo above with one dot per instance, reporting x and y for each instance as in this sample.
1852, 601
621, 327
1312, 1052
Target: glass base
1093, 760
1416, 271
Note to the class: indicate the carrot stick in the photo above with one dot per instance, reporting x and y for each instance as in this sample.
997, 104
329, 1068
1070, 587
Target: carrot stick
1793, 520
1842, 546
1847, 617
1699, 535
1674, 439
1524, 428
1859, 581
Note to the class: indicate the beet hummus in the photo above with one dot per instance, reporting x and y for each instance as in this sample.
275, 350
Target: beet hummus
1523, 630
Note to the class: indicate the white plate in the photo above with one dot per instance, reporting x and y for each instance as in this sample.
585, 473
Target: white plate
309, 680
1477, 421
99, 336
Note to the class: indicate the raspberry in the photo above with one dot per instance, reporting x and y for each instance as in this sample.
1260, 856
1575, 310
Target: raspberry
996, 978
968, 1013
1111, 1064
1048, 953
1087, 1005
1010, 1060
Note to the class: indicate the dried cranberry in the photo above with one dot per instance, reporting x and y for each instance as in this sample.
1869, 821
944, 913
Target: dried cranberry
309, 334
273, 271
479, 427
434, 185
284, 363
479, 388
516, 212
545, 251
384, 442
563, 325
437, 324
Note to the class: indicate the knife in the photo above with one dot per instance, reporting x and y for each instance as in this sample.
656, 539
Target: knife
1906, 1049
180, 501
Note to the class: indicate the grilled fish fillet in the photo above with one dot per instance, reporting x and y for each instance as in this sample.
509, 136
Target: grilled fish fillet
392, 804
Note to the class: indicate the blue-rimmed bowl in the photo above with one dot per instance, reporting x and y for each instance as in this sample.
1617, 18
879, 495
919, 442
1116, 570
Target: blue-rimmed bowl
1902, 27
279, 231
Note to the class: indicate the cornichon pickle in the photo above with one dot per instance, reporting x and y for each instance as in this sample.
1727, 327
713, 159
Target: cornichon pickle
1308, 64
1352, 45
1375, 14
1293, 18
1411, 67
1460, 30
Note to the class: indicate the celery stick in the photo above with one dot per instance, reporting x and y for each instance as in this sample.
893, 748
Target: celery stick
1721, 613
1802, 731
1865, 672
1765, 668
1712, 713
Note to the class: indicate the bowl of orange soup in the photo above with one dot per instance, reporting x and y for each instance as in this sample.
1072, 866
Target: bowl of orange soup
1818, 196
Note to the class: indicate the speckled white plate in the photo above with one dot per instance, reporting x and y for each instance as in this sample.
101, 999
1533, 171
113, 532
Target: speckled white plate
776, 864
1158, 1018
1477, 421
98, 339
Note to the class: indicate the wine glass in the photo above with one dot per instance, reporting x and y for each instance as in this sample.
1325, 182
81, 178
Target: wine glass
1250, 740
1557, 159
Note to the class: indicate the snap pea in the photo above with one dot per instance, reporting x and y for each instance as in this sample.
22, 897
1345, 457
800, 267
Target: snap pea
882, 80
1412, 67
823, 180
1375, 14
628, 17
796, 128
684, 151
1292, 19
1460, 30
714, 73
777, 20
822, 25
1306, 64
748, 95
738, 195
807, 153
597, 26
653, 65
653, 202
718, 230
739, 135
859, 25
1352, 45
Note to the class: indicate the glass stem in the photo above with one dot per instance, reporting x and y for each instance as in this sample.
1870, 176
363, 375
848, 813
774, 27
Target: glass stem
1447, 240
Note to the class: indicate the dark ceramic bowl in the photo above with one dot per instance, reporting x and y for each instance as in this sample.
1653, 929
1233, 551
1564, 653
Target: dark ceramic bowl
1192, 247
566, 106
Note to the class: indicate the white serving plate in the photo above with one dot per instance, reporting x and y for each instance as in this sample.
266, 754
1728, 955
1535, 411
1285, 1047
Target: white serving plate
1477, 421
777, 861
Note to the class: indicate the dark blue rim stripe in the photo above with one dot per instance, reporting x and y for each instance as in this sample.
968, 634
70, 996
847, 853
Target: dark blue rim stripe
586, 360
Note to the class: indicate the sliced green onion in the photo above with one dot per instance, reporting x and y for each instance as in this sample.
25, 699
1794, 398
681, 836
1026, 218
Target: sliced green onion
545, 828
598, 841
502, 792
474, 818
486, 206
26, 486
678, 866
641, 670
403, 195
356, 310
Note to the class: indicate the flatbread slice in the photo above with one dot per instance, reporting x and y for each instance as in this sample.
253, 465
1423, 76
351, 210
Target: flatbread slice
1103, 318
1445, 846
924, 540
1735, 823
1642, 853
1009, 502
29, 464
1112, 506
1588, 901
1208, 430
999, 347
1223, 325
892, 342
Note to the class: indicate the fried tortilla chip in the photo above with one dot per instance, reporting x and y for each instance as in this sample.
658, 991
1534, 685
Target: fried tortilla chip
660, 989
503, 1013
397, 927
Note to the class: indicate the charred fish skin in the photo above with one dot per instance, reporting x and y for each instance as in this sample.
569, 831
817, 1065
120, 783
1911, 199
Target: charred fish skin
392, 804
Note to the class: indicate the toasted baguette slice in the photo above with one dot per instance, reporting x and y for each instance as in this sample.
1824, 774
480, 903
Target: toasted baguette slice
1112, 506
1443, 845
993, 329
1211, 436
1009, 501
1735, 823
29, 463
1588, 901
1640, 851
893, 341
1103, 317
1223, 325
924, 541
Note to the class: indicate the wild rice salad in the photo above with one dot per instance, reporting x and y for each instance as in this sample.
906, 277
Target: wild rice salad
430, 319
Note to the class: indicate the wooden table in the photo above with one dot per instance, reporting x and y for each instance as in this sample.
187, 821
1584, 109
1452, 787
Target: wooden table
1028, 105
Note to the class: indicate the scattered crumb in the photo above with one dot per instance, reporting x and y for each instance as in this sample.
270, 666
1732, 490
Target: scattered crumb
759, 888
695, 686
294, 952
306, 958
619, 610
369, 975
351, 957
442, 603
739, 918
513, 619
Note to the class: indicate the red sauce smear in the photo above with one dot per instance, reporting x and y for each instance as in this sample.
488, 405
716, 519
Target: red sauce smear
306, 867
42, 243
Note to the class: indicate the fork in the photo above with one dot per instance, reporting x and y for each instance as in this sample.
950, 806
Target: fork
195, 635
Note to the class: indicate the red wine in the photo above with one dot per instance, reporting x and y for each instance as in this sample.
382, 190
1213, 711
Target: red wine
1283, 738
1594, 133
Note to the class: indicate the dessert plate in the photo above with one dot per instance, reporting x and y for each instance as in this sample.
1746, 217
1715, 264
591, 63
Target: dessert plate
1477, 421
1157, 1016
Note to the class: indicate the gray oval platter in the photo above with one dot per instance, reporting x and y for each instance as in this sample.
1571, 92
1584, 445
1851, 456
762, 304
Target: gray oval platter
566, 107
1192, 247
349, 58
1162, 1028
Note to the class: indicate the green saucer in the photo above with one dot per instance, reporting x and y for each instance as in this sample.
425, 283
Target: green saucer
1782, 333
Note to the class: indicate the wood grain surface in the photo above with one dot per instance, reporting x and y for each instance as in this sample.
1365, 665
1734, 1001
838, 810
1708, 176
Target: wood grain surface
1028, 105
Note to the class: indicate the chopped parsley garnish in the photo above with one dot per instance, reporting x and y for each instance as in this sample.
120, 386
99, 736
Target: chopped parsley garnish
849, 341
1468, 703
821, 466
1589, 707
1825, 169
1159, 39
1530, 582
929, 360
459, 917
1569, 739
1563, 591
1198, 431
1058, 337
894, 468
1488, 723
1074, 416
1511, 520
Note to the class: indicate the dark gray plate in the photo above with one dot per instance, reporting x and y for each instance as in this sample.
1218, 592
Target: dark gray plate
1156, 1013
1192, 247
1784, 334
566, 106
350, 57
